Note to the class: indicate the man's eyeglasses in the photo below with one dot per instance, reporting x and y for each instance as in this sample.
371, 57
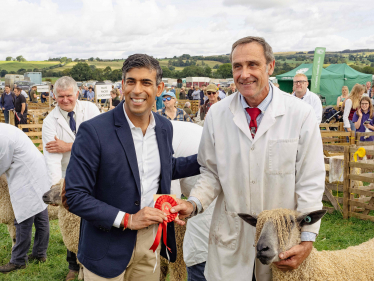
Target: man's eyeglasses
299, 82
168, 98
210, 93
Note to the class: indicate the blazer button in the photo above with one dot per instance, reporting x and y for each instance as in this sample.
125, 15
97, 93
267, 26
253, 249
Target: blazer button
136, 203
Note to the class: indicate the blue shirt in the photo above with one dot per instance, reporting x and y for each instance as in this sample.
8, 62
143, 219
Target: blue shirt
90, 95
8, 101
262, 106
159, 102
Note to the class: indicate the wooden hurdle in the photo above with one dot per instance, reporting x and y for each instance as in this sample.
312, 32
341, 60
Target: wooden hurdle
194, 105
34, 133
358, 201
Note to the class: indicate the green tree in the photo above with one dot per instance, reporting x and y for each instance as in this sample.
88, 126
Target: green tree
91, 59
3, 72
63, 59
20, 58
208, 71
225, 70
8, 59
81, 72
115, 75
29, 70
216, 66
21, 71
166, 72
171, 68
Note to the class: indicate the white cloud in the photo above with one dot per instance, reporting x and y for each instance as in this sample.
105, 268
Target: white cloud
164, 28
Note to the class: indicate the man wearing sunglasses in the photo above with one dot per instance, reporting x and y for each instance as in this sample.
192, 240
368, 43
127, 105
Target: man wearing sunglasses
300, 83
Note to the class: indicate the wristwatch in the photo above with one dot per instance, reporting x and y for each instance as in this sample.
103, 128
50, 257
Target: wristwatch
194, 212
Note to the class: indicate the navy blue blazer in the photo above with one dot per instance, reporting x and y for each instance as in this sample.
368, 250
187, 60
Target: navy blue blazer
102, 178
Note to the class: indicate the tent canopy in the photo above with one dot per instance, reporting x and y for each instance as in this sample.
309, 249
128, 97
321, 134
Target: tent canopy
331, 83
351, 76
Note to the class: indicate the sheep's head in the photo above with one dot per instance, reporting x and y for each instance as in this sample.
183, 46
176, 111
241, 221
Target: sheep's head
278, 230
53, 196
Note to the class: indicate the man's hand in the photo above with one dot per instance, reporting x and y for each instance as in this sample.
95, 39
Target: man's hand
58, 146
184, 208
146, 217
292, 258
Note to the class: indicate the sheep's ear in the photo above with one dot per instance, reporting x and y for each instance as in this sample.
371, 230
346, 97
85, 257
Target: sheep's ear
311, 217
252, 220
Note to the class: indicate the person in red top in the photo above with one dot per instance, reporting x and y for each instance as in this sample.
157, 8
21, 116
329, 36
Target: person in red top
351, 104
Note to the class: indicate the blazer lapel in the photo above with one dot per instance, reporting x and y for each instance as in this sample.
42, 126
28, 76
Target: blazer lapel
125, 137
162, 148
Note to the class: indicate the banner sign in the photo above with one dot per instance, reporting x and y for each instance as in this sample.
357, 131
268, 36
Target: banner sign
103, 91
319, 57
42, 88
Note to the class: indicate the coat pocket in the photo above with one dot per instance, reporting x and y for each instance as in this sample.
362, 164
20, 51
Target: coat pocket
282, 156
93, 243
226, 232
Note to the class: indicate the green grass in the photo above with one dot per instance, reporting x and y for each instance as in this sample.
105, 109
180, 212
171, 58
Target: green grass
55, 268
335, 234
15, 65
98, 64
52, 78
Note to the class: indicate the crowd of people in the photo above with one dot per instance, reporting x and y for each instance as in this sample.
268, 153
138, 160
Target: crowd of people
260, 149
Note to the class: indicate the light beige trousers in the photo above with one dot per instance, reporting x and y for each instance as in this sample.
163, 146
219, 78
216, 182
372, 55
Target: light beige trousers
142, 262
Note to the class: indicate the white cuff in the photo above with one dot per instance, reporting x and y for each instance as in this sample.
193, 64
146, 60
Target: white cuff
197, 201
308, 236
118, 220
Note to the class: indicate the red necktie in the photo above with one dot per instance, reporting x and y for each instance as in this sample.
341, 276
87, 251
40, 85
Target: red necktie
253, 112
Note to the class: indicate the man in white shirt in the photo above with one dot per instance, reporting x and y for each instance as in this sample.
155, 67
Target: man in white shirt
59, 130
111, 183
300, 82
26, 173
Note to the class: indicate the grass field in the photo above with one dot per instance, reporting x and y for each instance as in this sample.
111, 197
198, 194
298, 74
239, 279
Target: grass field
335, 233
98, 64
15, 65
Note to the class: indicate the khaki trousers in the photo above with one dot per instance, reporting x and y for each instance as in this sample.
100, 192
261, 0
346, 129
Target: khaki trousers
142, 262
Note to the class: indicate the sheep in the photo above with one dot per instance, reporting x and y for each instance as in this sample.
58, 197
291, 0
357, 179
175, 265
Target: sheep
6, 210
278, 230
68, 222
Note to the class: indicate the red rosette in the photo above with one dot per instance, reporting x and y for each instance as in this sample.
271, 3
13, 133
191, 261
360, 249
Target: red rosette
164, 203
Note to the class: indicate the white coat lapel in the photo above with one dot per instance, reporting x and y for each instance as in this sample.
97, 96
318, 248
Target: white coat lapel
80, 114
239, 116
62, 122
276, 108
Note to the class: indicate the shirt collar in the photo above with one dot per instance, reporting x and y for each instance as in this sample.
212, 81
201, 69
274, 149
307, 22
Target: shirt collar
304, 96
264, 104
65, 113
152, 121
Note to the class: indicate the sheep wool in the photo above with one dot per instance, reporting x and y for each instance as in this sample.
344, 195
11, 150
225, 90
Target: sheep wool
6, 209
354, 263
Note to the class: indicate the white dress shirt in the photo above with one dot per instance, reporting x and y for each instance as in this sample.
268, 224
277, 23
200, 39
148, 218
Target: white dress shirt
149, 164
312, 99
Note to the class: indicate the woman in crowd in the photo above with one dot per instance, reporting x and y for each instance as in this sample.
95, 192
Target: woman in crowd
182, 93
363, 118
350, 105
212, 93
170, 111
344, 95
114, 99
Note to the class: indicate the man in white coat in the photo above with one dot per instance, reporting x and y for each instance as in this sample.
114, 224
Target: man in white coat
59, 130
300, 82
26, 173
277, 163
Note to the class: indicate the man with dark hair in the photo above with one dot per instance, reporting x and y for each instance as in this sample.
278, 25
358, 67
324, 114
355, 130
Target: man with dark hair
7, 102
20, 107
112, 187
190, 91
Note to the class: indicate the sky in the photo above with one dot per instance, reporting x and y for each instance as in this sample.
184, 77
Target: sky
108, 29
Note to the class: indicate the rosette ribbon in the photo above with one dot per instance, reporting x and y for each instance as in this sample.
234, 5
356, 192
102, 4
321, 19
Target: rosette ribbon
164, 203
